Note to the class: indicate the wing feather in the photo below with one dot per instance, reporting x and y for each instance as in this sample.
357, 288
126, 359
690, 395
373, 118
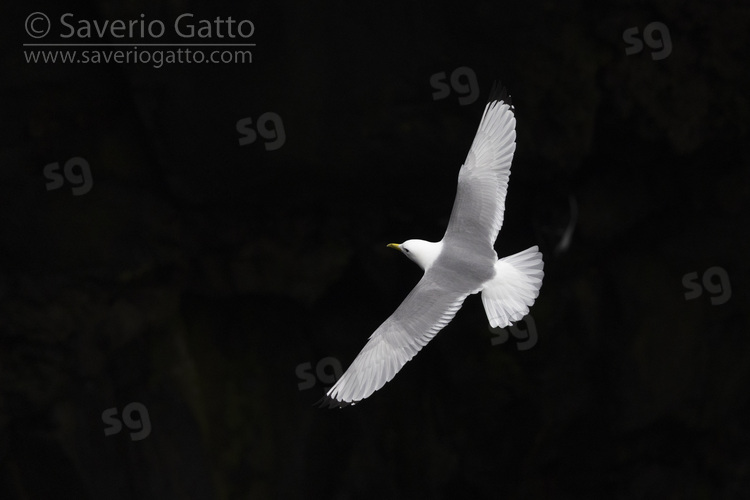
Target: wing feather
422, 314
483, 179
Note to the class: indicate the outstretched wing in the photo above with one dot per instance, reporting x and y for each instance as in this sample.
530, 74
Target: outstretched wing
422, 314
478, 211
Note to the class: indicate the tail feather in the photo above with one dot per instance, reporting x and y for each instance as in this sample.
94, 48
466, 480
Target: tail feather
518, 278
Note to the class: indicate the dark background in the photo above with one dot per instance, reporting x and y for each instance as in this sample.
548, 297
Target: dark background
222, 286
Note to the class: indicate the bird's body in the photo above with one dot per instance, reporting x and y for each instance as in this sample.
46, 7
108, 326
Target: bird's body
464, 262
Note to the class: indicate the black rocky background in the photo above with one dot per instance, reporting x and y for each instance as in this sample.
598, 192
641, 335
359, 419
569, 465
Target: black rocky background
215, 288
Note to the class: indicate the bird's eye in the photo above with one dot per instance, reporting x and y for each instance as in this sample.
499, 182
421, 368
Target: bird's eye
406, 250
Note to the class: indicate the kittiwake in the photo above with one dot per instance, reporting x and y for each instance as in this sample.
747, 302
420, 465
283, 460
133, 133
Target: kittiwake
464, 262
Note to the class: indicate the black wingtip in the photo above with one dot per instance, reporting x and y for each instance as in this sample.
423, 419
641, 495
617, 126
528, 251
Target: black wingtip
499, 92
330, 403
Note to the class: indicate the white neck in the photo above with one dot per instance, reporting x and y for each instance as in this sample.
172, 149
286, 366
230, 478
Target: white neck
424, 253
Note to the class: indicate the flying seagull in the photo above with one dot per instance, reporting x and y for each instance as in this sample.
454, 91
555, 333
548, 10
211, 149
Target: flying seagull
464, 262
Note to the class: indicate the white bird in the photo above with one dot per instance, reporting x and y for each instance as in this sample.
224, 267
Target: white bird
464, 262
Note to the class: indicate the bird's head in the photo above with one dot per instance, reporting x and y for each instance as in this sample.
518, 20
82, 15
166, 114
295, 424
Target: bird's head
424, 253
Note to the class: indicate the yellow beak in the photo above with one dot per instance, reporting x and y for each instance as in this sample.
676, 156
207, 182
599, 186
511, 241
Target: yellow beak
394, 245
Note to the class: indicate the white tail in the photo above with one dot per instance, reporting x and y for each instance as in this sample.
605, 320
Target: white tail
518, 278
